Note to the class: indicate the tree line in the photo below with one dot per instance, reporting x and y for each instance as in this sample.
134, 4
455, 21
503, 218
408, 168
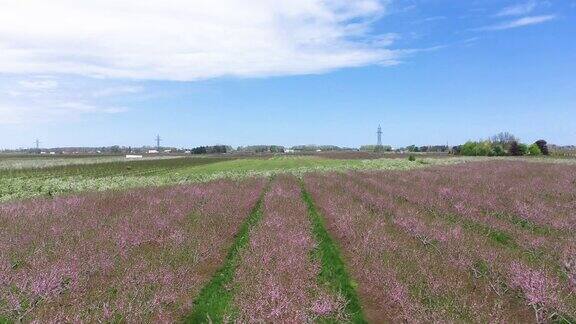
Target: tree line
500, 145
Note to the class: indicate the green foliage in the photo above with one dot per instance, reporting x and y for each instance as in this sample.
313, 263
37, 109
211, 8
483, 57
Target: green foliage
333, 269
58, 180
4, 320
543, 146
412, 148
497, 150
514, 149
261, 149
214, 300
115, 149
471, 148
534, 150
411, 158
500, 145
468, 148
313, 148
518, 149
375, 148
523, 148
211, 149
483, 148
504, 139
502, 238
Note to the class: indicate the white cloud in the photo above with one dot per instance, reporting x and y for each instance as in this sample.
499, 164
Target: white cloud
518, 9
189, 39
39, 99
116, 91
521, 22
386, 39
38, 84
45, 112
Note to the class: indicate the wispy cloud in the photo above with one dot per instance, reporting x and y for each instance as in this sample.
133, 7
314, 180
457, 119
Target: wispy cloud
34, 112
469, 41
116, 91
520, 9
39, 84
430, 19
521, 22
41, 99
189, 40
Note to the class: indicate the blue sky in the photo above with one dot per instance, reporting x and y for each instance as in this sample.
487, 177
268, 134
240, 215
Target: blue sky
73, 73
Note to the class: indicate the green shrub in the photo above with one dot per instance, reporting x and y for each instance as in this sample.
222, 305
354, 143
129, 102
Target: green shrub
497, 150
482, 149
468, 148
488, 148
543, 146
515, 149
476, 148
411, 158
534, 150
523, 148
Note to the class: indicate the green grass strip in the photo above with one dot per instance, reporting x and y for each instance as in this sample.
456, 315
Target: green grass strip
4, 320
214, 300
333, 269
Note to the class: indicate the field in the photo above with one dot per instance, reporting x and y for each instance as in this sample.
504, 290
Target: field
300, 239
49, 177
17, 162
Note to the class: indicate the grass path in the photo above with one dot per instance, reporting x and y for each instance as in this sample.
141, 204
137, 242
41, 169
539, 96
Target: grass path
214, 300
333, 269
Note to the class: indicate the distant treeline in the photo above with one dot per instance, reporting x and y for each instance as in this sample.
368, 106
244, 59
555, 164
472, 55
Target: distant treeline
261, 149
214, 149
500, 145
297, 148
424, 149
114, 149
313, 148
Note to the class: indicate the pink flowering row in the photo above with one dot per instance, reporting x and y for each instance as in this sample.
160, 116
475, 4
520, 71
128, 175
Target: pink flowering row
466, 248
356, 207
367, 247
436, 189
139, 255
276, 279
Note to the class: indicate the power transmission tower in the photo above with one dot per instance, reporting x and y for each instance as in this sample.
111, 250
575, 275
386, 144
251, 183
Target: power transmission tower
158, 140
37, 142
379, 147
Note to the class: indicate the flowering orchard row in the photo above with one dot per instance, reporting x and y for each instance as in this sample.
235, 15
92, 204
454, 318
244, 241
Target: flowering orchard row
475, 242
137, 256
480, 242
276, 279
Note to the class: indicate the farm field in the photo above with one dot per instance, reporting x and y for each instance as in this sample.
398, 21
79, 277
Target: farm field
316, 161
488, 241
27, 162
42, 180
137, 256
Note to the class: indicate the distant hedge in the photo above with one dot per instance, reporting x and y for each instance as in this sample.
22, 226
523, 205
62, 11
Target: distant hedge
490, 148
